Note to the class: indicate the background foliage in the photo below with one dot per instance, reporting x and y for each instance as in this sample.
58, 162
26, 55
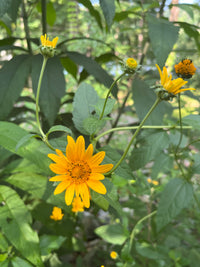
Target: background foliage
94, 37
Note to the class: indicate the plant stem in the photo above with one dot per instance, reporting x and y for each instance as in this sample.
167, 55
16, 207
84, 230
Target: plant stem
143, 127
134, 231
109, 91
135, 134
26, 28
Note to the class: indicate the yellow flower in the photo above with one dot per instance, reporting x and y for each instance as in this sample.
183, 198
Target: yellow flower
113, 255
131, 63
154, 182
77, 205
172, 86
185, 69
78, 171
149, 180
57, 214
45, 41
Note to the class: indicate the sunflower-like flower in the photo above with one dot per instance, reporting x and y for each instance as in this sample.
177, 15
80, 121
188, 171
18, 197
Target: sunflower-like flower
48, 47
173, 87
78, 171
185, 69
57, 214
77, 205
130, 65
113, 255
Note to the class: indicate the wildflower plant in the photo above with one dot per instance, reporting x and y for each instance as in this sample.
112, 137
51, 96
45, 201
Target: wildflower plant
107, 170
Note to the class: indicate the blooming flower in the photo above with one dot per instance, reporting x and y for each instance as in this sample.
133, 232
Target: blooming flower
57, 214
131, 63
150, 181
45, 41
77, 205
172, 86
113, 255
78, 171
185, 69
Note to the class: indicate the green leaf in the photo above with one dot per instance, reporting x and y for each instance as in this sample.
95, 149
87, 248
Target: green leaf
70, 66
51, 14
50, 242
113, 233
162, 164
163, 35
177, 195
13, 76
83, 105
186, 7
143, 98
108, 8
52, 87
4, 6
149, 149
59, 128
109, 106
24, 140
14, 222
13, 9
16, 262
93, 68
93, 124
146, 250
192, 120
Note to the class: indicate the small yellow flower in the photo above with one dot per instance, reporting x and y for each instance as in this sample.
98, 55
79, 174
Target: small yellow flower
171, 86
131, 63
45, 41
77, 205
113, 255
185, 69
154, 182
48, 47
57, 214
78, 171
149, 180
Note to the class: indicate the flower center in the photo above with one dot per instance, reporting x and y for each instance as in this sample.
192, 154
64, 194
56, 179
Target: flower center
79, 172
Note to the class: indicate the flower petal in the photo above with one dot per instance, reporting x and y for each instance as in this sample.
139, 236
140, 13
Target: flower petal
97, 159
85, 195
88, 153
61, 187
96, 176
69, 194
58, 178
97, 186
57, 159
57, 168
70, 149
80, 147
102, 168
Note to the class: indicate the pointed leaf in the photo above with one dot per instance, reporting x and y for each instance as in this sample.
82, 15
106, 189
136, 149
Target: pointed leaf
108, 8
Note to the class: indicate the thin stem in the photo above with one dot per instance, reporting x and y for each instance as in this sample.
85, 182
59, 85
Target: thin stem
197, 200
38, 95
180, 121
26, 28
143, 127
44, 16
135, 134
109, 91
134, 231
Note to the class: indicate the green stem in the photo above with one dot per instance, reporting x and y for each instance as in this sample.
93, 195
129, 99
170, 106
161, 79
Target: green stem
143, 127
180, 121
135, 229
197, 200
109, 91
135, 134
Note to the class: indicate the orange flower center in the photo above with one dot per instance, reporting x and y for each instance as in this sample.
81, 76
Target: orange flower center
80, 172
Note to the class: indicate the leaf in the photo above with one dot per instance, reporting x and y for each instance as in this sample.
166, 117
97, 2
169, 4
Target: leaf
14, 222
177, 195
4, 6
113, 233
70, 66
93, 124
24, 140
149, 149
13, 76
50, 242
108, 8
162, 164
59, 128
192, 120
93, 68
109, 106
52, 87
147, 251
16, 262
143, 98
51, 14
186, 7
163, 35
13, 9
83, 105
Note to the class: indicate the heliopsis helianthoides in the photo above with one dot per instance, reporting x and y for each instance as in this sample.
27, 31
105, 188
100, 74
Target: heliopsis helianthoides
78, 171
77, 205
171, 86
113, 255
57, 214
185, 69
48, 47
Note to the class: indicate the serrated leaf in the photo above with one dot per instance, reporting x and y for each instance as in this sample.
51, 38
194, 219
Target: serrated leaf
113, 233
83, 105
163, 164
192, 120
93, 68
13, 76
93, 124
51, 14
109, 106
163, 35
52, 87
108, 8
177, 195
14, 222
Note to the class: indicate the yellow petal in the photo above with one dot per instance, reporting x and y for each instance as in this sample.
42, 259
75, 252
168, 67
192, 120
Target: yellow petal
85, 195
61, 187
70, 149
97, 159
102, 168
96, 176
69, 194
58, 169
80, 147
88, 153
58, 178
97, 186
59, 160
185, 89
